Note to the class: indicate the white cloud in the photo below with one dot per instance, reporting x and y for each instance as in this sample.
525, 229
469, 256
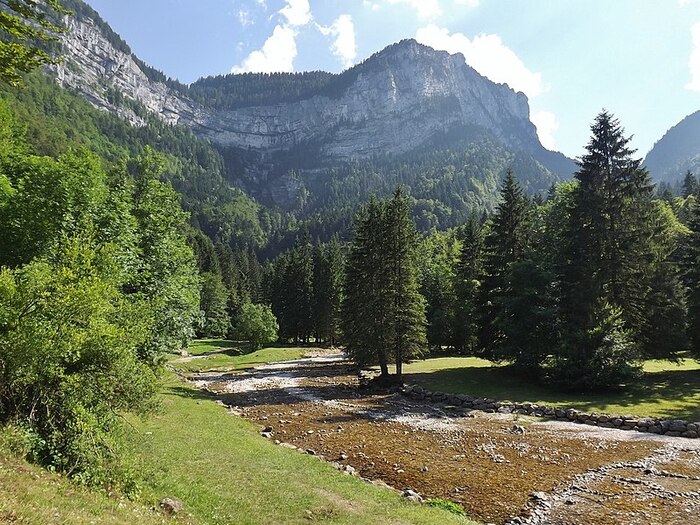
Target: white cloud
244, 18
297, 12
423, 8
694, 62
488, 55
468, 3
547, 124
280, 49
344, 46
374, 6
496, 61
277, 53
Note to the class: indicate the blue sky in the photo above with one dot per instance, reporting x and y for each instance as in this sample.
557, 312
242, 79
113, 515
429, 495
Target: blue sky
639, 59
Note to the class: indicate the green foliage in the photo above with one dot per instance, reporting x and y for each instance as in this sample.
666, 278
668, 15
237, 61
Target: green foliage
604, 356
96, 282
506, 242
527, 316
467, 274
327, 288
25, 25
257, 324
449, 506
68, 361
293, 293
213, 303
383, 313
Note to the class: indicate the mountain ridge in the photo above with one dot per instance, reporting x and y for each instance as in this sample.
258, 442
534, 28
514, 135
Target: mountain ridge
677, 151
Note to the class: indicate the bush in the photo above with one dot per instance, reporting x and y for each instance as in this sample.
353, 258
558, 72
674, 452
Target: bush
256, 323
68, 360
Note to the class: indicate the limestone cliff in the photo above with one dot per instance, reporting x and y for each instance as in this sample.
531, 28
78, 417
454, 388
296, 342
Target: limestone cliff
397, 100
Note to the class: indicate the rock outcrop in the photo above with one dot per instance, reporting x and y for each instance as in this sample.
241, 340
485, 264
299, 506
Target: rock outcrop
401, 98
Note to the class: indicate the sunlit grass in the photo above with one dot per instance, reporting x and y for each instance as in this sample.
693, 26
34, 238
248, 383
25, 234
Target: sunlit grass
221, 354
666, 390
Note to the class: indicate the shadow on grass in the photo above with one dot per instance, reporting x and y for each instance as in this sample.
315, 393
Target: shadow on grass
671, 393
189, 393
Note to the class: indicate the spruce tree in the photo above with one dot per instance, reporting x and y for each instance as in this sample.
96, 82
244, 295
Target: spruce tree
690, 185
297, 290
467, 282
383, 314
692, 279
505, 243
408, 323
364, 313
608, 253
328, 280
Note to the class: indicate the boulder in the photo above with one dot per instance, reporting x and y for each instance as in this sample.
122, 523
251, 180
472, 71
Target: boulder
171, 506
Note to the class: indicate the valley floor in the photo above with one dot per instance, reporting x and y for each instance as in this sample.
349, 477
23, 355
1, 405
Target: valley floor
500, 468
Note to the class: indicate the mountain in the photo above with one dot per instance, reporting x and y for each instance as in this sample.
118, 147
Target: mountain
312, 142
677, 152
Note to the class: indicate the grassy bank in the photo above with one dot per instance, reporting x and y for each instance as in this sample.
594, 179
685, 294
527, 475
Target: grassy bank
31, 496
217, 464
666, 389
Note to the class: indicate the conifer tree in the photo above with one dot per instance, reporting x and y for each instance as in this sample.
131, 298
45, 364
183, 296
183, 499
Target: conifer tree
467, 282
692, 279
328, 280
297, 290
690, 185
383, 314
505, 243
364, 313
609, 251
407, 323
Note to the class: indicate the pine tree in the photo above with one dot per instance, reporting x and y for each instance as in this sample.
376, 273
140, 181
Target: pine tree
297, 290
328, 280
467, 283
364, 313
383, 314
609, 250
408, 321
690, 185
692, 279
505, 243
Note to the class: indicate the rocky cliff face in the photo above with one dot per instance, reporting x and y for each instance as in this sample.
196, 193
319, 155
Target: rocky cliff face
416, 94
401, 98
106, 76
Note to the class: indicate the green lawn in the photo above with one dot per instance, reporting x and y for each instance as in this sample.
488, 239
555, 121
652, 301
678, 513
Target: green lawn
217, 464
666, 390
220, 354
226, 473
30, 495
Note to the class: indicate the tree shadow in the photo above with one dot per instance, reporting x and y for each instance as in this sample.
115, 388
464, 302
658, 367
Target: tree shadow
674, 393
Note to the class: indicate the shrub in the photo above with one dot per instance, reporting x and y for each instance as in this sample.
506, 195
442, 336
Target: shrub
256, 323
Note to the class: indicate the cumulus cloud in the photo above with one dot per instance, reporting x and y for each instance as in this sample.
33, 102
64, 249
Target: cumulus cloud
488, 55
468, 3
423, 8
297, 12
277, 53
280, 49
547, 125
694, 62
496, 61
344, 46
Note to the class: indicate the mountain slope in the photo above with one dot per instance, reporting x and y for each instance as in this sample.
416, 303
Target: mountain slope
677, 152
305, 142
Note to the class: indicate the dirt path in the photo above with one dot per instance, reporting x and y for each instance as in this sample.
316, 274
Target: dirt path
500, 468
